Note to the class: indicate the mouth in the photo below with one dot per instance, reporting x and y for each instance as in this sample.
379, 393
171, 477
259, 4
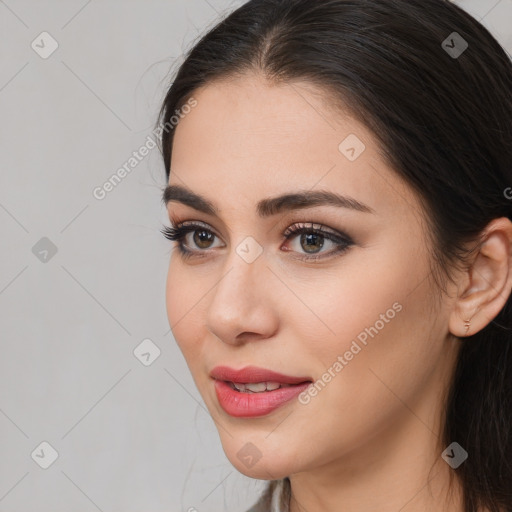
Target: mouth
260, 387
253, 378
254, 391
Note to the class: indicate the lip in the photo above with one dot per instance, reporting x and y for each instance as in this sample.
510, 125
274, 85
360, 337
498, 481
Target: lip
254, 374
247, 405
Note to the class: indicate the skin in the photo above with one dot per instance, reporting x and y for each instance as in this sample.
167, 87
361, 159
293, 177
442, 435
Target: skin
370, 439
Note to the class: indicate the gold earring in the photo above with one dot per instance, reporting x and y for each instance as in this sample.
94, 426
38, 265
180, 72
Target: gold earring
467, 324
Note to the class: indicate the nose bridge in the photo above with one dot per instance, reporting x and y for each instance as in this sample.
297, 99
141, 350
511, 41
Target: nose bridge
244, 263
238, 285
237, 305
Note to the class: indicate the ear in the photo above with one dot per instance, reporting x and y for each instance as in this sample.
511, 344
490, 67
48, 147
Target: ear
487, 283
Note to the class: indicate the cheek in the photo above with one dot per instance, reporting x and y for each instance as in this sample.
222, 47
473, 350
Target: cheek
376, 317
183, 304
386, 360
360, 300
173, 291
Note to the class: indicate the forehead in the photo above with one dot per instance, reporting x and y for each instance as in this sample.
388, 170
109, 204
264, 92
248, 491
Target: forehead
247, 138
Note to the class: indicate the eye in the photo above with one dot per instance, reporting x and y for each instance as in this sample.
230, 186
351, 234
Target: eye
202, 237
310, 240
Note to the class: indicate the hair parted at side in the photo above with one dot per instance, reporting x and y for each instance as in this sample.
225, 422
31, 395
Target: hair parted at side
443, 123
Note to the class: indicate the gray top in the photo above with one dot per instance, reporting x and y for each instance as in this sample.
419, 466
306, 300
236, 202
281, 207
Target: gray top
275, 498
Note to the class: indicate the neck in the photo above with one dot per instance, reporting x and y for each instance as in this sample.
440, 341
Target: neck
402, 470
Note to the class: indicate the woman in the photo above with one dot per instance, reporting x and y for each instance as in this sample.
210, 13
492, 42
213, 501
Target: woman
339, 194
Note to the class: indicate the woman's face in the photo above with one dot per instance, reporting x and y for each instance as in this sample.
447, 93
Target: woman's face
354, 313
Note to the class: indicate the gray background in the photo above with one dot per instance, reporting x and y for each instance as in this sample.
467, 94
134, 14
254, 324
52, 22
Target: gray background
129, 437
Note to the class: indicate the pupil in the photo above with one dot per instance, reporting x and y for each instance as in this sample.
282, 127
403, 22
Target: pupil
310, 239
201, 237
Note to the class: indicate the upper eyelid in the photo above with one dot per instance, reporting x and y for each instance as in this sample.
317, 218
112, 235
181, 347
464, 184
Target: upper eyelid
313, 226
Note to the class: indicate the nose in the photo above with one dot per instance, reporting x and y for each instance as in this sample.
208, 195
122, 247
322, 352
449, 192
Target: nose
242, 306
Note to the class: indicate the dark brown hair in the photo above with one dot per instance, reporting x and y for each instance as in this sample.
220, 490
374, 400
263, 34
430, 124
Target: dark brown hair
443, 122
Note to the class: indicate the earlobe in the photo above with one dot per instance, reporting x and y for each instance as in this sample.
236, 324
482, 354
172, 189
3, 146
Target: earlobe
488, 281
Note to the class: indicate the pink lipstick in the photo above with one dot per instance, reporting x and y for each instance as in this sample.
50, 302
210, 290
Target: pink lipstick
253, 391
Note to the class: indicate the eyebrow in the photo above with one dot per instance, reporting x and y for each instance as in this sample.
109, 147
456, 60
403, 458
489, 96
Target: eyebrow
269, 206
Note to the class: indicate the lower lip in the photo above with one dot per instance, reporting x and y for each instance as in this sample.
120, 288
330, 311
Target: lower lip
248, 405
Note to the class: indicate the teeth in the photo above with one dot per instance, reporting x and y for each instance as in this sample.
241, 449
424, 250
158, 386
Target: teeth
257, 387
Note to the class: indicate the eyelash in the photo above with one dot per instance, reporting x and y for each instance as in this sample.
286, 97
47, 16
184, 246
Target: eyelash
179, 232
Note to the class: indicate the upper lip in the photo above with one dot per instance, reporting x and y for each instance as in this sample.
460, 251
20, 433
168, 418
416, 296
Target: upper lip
254, 374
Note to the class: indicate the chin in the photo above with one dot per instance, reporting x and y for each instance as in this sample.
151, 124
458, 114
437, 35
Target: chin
260, 460
269, 470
